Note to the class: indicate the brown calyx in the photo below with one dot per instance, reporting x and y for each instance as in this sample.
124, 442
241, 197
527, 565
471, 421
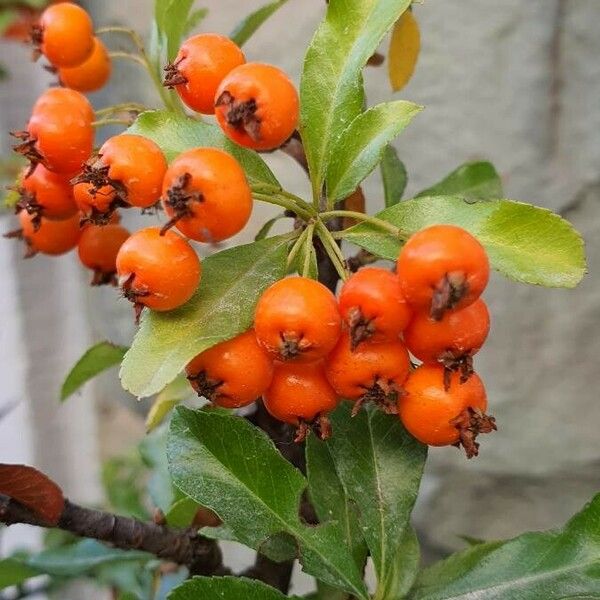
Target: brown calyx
103, 278
28, 202
179, 199
452, 363
36, 36
383, 394
290, 346
133, 295
361, 328
470, 423
320, 425
17, 234
240, 115
173, 76
28, 149
204, 386
450, 290
95, 173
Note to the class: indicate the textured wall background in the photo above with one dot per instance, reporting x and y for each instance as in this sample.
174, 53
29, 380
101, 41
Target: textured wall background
514, 82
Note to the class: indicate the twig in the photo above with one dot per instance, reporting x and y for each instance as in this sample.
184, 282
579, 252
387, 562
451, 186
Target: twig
182, 546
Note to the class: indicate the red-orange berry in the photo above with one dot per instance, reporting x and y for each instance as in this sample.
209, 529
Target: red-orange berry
257, 106
442, 267
90, 75
161, 272
297, 319
371, 373
440, 415
97, 205
233, 373
206, 195
199, 67
46, 236
66, 100
453, 340
300, 395
46, 194
98, 248
128, 171
373, 307
65, 34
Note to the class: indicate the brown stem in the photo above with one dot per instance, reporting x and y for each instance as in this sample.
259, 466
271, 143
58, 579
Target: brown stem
182, 546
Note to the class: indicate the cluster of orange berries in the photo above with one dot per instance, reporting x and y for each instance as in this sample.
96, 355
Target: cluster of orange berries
255, 104
307, 349
64, 34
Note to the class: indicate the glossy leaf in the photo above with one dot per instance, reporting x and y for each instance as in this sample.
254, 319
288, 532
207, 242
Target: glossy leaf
249, 25
97, 359
223, 306
405, 44
329, 498
360, 147
14, 572
80, 558
551, 565
175, 133
380, 467
34, 490
524, 242
394, 176
476, 180
226, 464
226, 588
174, 393
331, 89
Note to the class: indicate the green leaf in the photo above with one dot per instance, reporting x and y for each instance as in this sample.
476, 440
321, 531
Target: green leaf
182, 513
195, 18
123, 480
477, 180
232, 281
524, 242
80, 558
405, 568
329, 498
226, 588
171, 17
173, 394
14, 572
361, 146
394, 176
331, 90
551, 565
175, 133
228, 465
266, 228
97, 359
248, 26
380, 466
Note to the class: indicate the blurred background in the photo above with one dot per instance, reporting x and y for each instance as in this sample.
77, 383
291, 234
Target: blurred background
514, 82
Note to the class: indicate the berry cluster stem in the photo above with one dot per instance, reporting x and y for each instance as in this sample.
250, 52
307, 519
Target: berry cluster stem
333, 250
379, 223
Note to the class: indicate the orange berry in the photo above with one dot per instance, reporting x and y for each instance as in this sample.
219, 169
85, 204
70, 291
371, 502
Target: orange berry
90, 75
206, 195
257, 106
233, 373
98, 248
199, 67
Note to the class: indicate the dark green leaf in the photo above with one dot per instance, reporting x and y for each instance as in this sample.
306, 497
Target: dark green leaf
228, 465
264, 230
551, 565
406, 566
80, 558
97, 359
175, 133
380, 467
360, 147
331, 89
524, 242
246, 28
14, 572
223, 306
329, 498
226, 588
394, 176
477, 180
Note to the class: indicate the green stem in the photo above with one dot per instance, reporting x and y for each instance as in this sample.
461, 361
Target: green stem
310, 232
333, 250
129, 56
379, 223
123, 107
104, 122
296, 247
285, 202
